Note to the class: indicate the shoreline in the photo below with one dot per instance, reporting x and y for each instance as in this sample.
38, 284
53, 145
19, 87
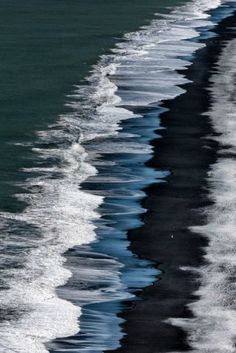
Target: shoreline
172, 208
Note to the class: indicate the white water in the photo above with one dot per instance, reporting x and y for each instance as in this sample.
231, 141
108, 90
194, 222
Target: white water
213, 326
141, 70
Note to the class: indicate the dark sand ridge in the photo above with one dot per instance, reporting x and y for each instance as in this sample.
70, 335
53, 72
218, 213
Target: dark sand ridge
172, 207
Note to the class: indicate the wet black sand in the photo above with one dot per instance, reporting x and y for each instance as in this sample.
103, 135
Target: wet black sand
172, 208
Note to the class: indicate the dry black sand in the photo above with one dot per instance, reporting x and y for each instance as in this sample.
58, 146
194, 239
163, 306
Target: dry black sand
172, 208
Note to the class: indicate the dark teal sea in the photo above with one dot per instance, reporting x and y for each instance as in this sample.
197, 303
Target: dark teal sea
46, 47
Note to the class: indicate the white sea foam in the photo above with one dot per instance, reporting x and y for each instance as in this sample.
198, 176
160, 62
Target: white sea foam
63, 214
141, 70
213, 327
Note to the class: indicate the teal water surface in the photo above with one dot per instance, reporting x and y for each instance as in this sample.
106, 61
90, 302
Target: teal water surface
46, 47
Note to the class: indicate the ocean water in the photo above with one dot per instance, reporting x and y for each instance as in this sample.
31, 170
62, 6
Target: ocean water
81, 90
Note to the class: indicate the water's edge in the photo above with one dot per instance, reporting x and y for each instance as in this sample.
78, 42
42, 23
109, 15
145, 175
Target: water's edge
189, 148
136, 273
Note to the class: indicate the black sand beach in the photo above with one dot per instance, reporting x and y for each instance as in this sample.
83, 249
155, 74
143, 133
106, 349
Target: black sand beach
172, 208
